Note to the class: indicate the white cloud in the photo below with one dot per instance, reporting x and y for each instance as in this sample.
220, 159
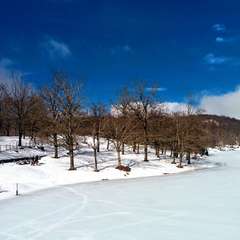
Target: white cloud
172, 107
215, 60
219, 27
57, 49
222, 105
225, 104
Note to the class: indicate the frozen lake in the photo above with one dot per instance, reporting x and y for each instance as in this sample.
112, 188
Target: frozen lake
200, 205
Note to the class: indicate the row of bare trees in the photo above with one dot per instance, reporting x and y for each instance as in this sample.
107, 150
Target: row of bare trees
137, 120
19, 109
52, 113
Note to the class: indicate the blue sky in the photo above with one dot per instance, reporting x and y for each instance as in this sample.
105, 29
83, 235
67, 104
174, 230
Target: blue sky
183, 46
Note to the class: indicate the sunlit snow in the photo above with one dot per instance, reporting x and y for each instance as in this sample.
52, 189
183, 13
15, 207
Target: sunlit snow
199, 205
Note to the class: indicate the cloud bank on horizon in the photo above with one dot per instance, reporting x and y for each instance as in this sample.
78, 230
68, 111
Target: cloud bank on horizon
226, 104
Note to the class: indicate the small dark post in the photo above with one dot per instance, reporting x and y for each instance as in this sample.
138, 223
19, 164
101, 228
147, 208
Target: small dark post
17, 189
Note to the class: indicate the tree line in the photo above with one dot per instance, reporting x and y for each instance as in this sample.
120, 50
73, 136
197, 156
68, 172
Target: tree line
57, 113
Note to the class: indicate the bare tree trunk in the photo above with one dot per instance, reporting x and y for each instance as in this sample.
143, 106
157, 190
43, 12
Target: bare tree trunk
34, 140
138, 148
157, 151
55, 143
188, 157
8, 128
71, 153
145, 143
165, 151
108, 144
134, 147
174, 160
145, 152
119, 156
180, 160
171, 152
175, 155
20, 134
98, 143
123, 149
95, 148
95, 160
20, 139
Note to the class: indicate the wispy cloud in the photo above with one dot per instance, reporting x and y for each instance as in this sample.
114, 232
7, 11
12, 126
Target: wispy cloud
5, 70
5, 62
121, 49
211, 59
8, 70
57, 48
155, 89
219, 27
220, 39
225, 39
127, 48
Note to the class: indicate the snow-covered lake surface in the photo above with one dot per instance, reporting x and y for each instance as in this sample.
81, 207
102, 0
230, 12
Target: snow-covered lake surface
199, 205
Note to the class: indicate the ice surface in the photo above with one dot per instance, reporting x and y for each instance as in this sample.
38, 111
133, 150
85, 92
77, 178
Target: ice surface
200, 205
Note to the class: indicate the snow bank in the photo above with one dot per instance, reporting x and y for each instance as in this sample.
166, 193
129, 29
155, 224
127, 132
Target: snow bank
54, 172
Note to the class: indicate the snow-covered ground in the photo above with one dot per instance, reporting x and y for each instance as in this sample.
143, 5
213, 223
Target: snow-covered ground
54, 172
9, 149
201, 205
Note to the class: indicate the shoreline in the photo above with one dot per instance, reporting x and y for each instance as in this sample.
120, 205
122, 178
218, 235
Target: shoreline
211, 166
53, 173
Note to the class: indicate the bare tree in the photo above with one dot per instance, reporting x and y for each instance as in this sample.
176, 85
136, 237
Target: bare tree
118, 129
51, 97
70, 110
142, 104
94, 146
195, 132
98, 112
181, 129
120, 125
5, 113
22, 103
35, 120
190, 135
